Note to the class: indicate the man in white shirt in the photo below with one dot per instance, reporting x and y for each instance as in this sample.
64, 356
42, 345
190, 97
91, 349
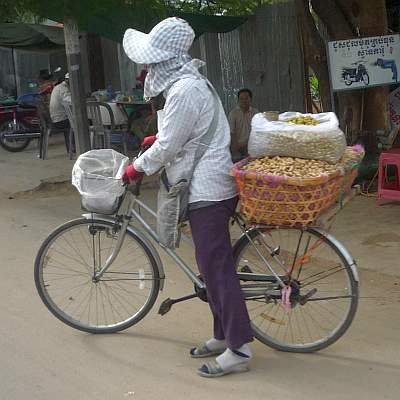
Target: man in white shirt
188, 112
240, 124
58, 114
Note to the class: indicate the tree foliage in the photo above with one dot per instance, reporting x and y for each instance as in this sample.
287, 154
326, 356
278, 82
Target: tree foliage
81, 10
217, 7
21, 10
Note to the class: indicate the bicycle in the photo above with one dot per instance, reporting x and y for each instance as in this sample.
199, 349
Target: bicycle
101, 274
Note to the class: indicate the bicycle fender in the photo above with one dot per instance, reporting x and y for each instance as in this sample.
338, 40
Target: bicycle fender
142, 237
350, 260
342, 249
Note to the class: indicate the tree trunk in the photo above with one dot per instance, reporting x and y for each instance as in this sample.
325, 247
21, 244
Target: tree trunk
76, 85
359, 110
314, 51
339, 27
370, 17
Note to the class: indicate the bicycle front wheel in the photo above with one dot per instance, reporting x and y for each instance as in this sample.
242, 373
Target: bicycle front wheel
65, 267
324, 290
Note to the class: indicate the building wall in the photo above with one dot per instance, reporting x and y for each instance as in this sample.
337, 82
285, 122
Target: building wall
7, 77
20, 68
263, 55
128, 70
231, 65
112, 75
272, 60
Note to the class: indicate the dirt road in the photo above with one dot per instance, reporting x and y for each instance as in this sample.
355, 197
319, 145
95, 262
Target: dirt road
42, 359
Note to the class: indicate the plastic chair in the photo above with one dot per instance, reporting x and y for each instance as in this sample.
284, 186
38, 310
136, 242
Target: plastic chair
103, 132
46, 130
389, 190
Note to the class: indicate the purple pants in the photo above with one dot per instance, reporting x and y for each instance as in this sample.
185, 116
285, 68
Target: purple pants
210, 230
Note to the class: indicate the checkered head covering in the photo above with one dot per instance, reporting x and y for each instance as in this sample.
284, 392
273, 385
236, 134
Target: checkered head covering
168, 38
165, 51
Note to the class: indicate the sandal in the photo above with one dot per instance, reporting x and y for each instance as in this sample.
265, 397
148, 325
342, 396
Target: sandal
203, 351
213, 370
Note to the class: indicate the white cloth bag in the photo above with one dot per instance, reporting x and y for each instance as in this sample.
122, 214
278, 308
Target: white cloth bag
324, 141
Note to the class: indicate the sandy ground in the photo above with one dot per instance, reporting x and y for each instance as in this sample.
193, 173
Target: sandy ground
43, 359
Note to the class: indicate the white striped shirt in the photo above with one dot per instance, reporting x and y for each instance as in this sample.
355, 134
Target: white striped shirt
188, 112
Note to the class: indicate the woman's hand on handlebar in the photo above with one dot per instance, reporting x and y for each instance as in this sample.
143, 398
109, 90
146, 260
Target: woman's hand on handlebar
132, 175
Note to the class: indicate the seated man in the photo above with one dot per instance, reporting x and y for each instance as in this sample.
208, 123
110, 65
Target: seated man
46, 81
58, 115
240, 124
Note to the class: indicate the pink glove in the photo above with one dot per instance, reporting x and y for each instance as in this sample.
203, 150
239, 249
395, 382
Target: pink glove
132, 175
148, 141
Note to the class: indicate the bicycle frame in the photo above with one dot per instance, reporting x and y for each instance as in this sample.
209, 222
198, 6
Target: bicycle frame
274, 279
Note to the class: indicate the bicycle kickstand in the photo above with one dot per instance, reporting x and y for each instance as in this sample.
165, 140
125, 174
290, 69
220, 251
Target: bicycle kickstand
168, 303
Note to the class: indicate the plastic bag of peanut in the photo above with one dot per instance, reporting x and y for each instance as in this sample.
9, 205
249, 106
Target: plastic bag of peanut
308, 136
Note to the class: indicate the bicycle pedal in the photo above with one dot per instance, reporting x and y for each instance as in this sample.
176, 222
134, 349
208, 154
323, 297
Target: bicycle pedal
246, 269
165, 306
276, 251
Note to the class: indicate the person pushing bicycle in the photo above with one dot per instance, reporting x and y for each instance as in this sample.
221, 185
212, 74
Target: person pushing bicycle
191, 109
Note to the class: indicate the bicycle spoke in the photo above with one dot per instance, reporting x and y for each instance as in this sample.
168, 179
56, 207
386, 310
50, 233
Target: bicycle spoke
111, 303
320, 273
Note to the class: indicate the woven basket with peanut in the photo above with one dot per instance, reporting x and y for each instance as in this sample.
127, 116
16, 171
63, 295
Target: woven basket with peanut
291, 191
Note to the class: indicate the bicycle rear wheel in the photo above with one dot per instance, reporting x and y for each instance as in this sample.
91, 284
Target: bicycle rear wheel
64, 270
320, 271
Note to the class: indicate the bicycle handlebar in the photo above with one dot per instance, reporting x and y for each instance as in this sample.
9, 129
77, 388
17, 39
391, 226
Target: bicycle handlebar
134, 187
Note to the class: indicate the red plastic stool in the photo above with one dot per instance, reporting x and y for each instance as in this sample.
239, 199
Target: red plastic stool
389, 190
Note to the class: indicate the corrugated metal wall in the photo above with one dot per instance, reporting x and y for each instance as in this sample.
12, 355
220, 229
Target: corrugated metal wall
29, 63
128, 70
272, 60
18, 72
27, 66
231, 67
111, 64
263, 55
7, 78
210, 52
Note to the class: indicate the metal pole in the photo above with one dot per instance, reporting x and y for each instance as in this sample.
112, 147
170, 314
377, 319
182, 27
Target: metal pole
15, 71
330, 80
76, 85
362, 111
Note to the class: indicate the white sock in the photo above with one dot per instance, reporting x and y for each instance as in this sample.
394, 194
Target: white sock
215, 344
228, 358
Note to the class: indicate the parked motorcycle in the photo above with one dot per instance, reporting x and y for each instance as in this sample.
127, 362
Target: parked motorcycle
19, 122
357, 74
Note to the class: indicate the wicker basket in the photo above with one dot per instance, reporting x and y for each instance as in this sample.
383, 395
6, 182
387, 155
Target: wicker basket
284, 201
349, 179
